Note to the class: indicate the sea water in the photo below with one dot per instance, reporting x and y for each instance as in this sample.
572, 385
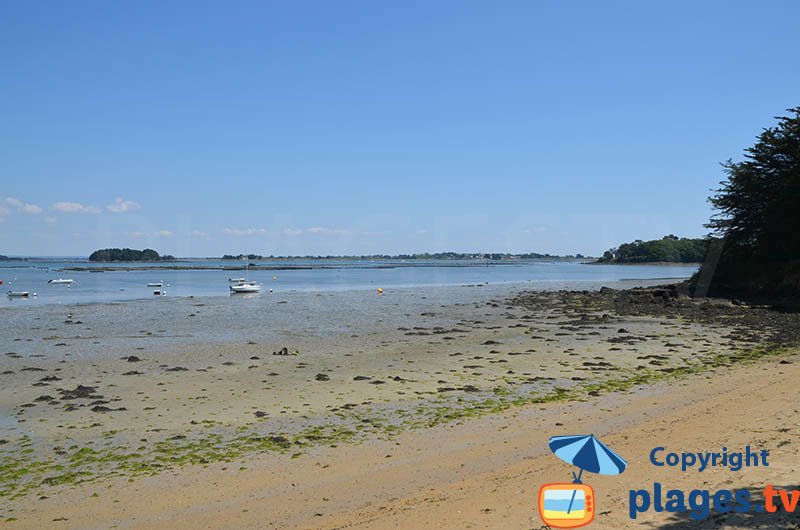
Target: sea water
208, 278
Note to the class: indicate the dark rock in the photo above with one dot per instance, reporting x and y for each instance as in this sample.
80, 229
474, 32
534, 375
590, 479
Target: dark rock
79, 392
177, 369
322, 377
101, 408
279, 440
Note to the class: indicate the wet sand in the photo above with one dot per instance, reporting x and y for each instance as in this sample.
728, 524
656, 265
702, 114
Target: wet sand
427, 373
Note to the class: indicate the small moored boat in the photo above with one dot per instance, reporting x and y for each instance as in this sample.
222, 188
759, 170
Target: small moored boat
68, 281
246, 287
243, 285
19, 294
156, 284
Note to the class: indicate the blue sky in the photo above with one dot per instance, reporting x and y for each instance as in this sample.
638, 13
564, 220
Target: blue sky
202, 128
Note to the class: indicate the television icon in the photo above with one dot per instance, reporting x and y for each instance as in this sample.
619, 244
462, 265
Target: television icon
566, 505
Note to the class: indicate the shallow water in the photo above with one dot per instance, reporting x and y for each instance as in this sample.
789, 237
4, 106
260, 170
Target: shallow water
337, 275
112, 329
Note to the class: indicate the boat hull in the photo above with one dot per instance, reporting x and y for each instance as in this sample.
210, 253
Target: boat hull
245, 288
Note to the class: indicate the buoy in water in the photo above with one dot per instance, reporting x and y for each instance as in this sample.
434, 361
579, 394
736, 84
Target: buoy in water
380, 290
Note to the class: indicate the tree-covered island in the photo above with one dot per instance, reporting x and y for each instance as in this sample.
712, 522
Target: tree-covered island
128, 254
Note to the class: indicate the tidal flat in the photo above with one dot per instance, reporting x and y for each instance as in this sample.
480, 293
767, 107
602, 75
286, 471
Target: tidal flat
96, 391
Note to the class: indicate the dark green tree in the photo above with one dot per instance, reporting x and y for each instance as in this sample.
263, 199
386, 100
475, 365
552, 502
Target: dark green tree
667, 249
758, 214
127, 254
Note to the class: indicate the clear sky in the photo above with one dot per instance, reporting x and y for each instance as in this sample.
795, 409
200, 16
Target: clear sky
317, 127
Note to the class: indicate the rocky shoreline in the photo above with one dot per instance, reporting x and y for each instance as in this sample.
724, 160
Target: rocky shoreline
764, 322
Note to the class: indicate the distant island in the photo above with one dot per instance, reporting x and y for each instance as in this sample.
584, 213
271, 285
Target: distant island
670, 249
128, 254
420, 256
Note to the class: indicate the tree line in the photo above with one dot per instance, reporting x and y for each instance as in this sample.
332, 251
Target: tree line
494, 256
667, 249
128, 254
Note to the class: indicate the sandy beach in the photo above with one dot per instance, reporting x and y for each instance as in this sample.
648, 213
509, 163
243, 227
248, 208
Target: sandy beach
421, 408
399, 266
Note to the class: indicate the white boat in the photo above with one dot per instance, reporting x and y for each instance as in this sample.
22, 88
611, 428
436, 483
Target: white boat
19, 294
63, 280
245, 287
156, 284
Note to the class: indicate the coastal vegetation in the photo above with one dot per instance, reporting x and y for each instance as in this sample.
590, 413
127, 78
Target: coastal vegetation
128, 254
757, 219
667, 249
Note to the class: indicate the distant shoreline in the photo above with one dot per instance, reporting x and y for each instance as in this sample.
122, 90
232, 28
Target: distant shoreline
399, 264
278, 267
495, 257
655, 263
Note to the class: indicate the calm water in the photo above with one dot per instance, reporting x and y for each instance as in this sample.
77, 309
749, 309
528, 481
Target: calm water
338, 275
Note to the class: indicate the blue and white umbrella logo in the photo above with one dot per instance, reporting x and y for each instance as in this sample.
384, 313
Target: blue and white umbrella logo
589, 454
